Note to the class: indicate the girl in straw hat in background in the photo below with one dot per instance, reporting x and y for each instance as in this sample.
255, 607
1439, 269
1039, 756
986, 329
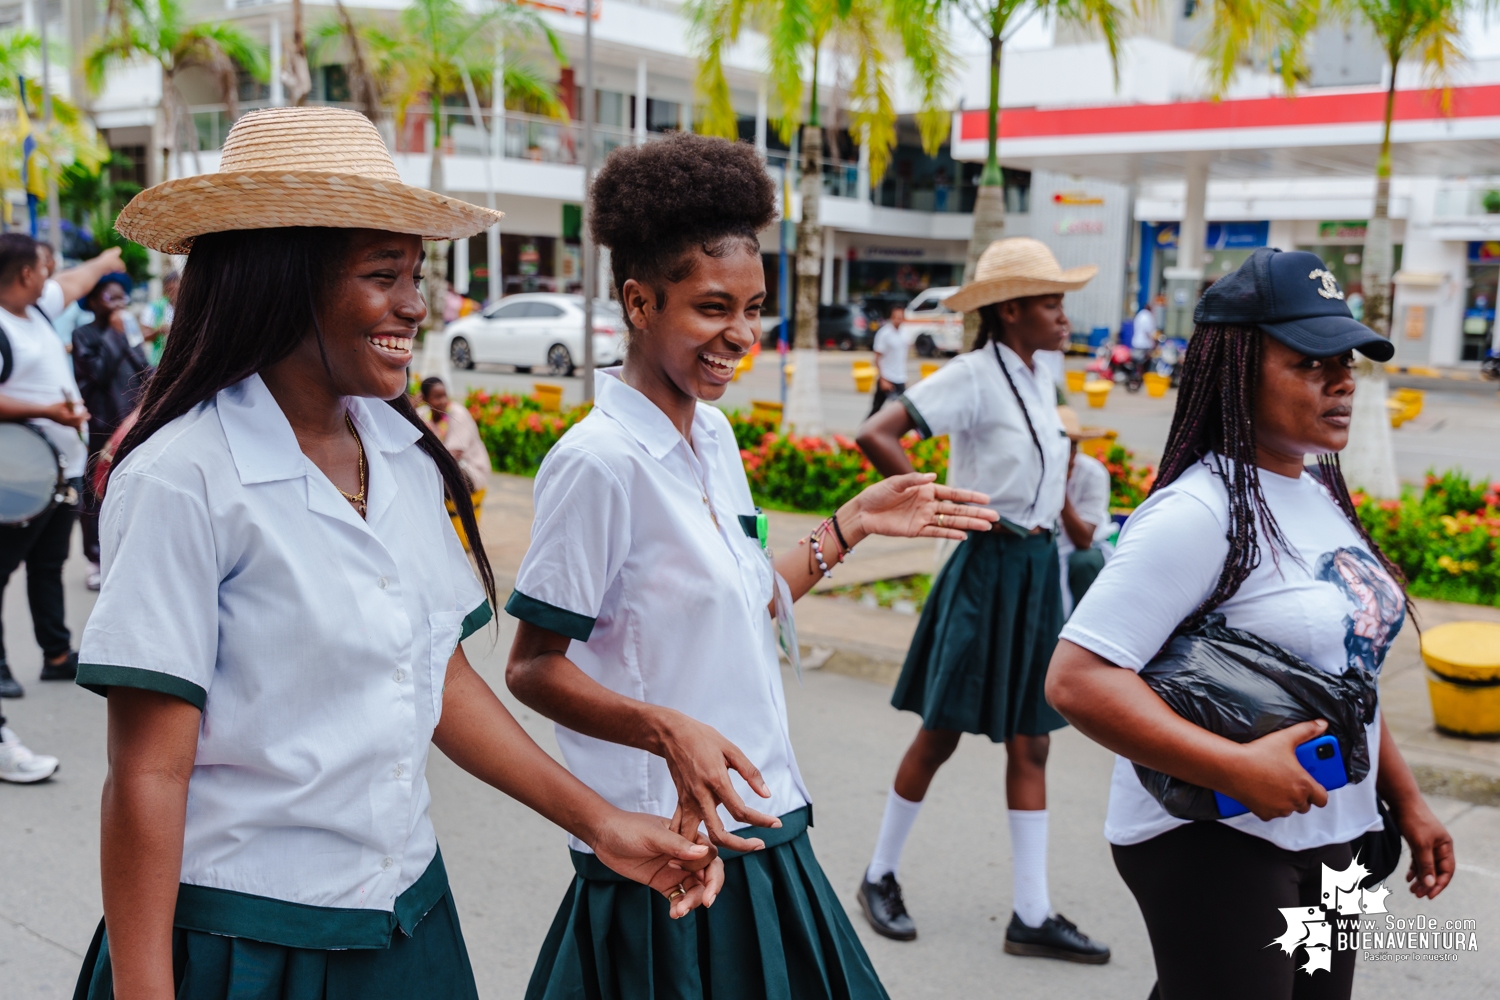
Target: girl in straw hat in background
979, 656
646, 604
283, 600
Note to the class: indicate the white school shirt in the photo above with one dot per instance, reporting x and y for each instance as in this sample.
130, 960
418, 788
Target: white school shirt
42, 374
892, 346
1088, 488
990, 448
661, 605
1327, 600
1143, 331
237, 578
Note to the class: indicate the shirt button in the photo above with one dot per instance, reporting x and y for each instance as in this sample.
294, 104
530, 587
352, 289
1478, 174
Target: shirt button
382, 583
400, 770
400, 675
386, 863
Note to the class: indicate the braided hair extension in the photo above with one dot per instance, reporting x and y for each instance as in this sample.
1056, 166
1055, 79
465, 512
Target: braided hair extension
1216, 413
1331, 474
990, 328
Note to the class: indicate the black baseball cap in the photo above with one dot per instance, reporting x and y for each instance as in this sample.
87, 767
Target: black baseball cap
1292, 296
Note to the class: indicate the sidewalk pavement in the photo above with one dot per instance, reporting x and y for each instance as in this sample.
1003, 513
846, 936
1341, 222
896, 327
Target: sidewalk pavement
510, 868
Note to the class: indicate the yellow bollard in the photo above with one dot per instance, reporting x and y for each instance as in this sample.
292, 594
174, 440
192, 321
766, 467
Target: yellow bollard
1098, 392
1076, 378
864, 377
765, 411
1157, 385
1463, 677
742, 366
549, 395
928, 367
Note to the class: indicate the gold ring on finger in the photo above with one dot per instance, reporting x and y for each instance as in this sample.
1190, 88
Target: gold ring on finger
941, 521
677, 893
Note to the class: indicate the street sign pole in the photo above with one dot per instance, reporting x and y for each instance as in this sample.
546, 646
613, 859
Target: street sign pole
588, 178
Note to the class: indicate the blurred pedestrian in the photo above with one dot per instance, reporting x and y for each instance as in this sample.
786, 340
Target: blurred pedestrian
111, 368
891, 348
455, 427
979, 657
156, 319
1084, 515
37, 387
63, 290
1241, 526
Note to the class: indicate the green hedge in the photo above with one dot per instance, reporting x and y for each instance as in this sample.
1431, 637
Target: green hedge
1445, 537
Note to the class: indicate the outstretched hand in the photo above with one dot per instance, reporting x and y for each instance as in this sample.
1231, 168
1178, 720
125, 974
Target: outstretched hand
644, 849
916, 505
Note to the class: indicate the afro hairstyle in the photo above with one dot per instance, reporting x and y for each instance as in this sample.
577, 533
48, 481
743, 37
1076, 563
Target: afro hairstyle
652, 204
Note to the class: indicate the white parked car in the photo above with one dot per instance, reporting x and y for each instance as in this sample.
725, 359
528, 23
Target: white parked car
932, 327
536, 330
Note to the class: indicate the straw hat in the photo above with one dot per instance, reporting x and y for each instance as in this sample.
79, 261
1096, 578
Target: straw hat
1017, 267
297, 167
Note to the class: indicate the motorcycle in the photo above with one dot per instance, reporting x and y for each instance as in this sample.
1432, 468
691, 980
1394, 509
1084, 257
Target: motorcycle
1118, 363
1168, 360
1490, 366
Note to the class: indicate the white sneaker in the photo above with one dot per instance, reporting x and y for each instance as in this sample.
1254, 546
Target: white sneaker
19, 764
94, 578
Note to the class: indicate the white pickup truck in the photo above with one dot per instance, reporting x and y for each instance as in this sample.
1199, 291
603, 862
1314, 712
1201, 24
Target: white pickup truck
931, 327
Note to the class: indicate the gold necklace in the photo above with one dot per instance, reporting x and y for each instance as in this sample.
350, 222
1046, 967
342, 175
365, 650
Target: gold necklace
357, 499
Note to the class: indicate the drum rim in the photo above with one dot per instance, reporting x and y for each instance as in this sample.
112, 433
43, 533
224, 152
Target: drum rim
59, 484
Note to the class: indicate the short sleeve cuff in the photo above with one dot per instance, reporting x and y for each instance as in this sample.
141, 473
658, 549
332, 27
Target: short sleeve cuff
100, 677
916, 416
550, 617
476, 620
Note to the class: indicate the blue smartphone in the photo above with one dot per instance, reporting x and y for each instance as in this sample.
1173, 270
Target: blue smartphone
1319, 756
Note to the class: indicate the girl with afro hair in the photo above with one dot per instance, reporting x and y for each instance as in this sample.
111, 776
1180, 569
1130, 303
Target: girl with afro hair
646, 606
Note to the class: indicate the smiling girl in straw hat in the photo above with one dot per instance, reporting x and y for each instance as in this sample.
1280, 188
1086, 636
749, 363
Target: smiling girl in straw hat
979, 657
283, 600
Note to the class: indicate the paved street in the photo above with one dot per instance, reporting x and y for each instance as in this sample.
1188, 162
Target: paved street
1459, 425
510, 868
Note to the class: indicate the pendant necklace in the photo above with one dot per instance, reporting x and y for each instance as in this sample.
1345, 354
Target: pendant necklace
357, 499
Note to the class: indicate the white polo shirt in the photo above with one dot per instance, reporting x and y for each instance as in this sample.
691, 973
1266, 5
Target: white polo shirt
42, 374
662, 606
238, 579
991, 449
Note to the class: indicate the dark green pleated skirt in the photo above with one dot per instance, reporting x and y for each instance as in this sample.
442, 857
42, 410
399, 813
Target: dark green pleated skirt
776, 932
978, 660
431, 964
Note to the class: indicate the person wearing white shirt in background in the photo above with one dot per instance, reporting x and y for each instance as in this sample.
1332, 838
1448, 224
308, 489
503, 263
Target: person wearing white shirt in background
1143, 333
62, 295
1085, 517
979, 657
646, 609
37, 387
891, 347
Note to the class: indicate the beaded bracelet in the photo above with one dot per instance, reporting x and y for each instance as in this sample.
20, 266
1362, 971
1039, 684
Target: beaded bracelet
847, 547
818, 553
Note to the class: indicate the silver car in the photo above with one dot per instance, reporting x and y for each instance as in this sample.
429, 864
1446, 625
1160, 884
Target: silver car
536, 330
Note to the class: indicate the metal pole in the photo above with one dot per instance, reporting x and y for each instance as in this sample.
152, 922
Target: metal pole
54, 212
588, 178
783, 278
492, 255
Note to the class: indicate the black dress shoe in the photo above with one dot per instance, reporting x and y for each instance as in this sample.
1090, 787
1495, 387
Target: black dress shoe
67, 670
885, 909
1058, 937
9, 686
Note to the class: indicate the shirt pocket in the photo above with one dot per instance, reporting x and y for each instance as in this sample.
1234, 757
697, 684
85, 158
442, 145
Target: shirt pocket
446, 628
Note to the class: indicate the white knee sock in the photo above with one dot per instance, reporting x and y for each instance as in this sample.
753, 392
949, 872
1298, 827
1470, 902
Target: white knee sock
894, 828
1028, 848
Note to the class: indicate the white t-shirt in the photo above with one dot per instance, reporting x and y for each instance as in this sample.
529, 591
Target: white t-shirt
1088, 489
1328, 601
662, 604
42, 374
992, 450
892, 346
1143, 331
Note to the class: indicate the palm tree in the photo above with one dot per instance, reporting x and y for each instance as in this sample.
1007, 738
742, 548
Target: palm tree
997, 21
436, 46
159, 31
862, 36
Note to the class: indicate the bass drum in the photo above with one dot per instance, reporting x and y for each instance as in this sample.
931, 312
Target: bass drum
31, 474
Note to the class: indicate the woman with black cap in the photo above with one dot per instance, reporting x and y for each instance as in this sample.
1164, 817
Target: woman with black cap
1239, 526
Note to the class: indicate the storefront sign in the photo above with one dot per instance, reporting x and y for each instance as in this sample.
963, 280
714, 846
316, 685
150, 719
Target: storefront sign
1484, 250
530, 259
890, 253
1341, 230
1219, 235
1076, 198
1069, 226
